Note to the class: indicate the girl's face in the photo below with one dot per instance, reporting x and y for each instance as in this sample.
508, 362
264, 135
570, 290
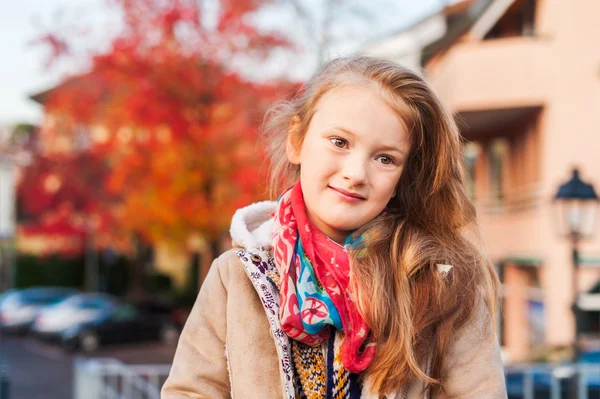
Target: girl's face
351, 159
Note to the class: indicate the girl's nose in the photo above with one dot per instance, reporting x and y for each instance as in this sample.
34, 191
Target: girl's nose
355, 170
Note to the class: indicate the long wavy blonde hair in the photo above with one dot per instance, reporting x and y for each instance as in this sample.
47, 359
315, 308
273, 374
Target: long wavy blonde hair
412, 309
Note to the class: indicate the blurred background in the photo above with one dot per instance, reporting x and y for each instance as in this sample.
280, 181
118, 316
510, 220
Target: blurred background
128, 138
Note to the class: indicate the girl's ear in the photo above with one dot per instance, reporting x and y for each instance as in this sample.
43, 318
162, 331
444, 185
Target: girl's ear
293, 146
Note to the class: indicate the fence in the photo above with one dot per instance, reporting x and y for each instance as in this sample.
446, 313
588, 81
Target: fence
111, 379
4, 379
102, 378
580, 381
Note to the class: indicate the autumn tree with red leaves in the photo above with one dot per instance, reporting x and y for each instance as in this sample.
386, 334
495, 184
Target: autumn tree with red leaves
171, 122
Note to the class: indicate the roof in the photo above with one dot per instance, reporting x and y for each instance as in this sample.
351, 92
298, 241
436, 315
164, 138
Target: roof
42, 96
458, 7
452, 10
460, 17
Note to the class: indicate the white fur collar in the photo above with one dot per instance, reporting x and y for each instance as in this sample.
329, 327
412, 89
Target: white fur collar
252, 226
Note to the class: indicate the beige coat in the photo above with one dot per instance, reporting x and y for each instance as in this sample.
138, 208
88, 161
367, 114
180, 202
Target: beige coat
233, 346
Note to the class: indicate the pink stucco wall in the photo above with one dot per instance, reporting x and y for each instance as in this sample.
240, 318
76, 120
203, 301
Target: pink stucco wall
558, 70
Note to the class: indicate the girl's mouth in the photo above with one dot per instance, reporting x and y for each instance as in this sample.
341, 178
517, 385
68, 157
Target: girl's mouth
348, 195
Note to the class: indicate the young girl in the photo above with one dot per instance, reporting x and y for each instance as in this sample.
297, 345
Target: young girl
359, 282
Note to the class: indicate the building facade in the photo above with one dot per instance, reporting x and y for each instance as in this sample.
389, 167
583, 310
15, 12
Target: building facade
523, 80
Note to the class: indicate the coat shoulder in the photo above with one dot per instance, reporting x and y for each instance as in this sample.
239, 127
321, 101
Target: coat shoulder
229, 265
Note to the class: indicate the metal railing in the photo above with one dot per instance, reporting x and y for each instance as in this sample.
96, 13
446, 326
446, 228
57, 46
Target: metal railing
104, 378
514, 199
4, 379
581, 381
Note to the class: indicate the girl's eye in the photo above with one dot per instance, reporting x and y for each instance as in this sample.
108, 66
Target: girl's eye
386, 160
340, 143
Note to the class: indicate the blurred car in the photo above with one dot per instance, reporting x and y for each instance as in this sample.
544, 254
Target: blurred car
564, 375
592, 357
18, 308
86, 321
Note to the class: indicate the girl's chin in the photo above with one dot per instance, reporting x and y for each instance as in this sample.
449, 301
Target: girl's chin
343, 228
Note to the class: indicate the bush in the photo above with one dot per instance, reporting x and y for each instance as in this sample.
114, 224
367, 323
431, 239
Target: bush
55, 270
114, 274
158, 284
52, 270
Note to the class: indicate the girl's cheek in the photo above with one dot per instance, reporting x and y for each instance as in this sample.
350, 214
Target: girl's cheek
388, 182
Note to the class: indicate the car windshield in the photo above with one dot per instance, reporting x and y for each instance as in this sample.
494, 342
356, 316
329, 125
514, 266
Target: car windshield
6, 294
10, 300
86, 302
44, 297
33, 296
124, 312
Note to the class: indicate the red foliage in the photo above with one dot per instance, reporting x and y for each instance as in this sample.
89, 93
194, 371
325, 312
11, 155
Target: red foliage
57, 45
171, 128
50, 182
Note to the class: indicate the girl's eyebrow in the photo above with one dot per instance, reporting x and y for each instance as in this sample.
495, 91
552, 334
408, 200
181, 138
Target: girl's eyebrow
344, 130
392, 148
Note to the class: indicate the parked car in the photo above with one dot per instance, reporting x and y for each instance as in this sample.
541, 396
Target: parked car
18, 308
86, 321
592, 357
542, 376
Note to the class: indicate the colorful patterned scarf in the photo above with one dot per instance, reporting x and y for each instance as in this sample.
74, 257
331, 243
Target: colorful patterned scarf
315, 273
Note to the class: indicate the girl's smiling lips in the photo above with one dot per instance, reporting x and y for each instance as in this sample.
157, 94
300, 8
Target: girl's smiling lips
348, 195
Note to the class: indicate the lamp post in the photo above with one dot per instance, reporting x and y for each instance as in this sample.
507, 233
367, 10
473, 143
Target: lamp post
575, 204
7, 221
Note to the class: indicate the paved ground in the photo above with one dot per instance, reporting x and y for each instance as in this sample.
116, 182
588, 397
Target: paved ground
44, 371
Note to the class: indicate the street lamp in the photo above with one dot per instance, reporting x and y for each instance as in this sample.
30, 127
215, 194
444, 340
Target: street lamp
575, 205
7, 220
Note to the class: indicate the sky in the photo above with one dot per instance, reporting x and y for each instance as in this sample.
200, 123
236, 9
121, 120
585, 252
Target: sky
23, 71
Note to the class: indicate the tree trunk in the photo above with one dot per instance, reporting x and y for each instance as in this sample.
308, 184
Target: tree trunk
137, 268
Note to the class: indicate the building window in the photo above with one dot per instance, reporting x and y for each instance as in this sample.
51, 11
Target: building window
470, 154
497, 163
502, 166
500, 322
519, 20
